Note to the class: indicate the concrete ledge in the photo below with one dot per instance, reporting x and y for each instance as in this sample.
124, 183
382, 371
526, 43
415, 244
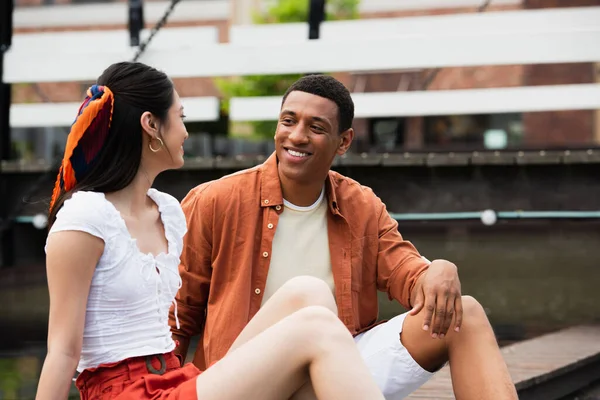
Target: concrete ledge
437, 159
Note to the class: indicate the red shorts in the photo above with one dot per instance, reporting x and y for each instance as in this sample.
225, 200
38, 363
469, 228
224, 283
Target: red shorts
157, 377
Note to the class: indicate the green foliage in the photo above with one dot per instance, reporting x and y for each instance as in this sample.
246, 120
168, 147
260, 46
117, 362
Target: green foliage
10, 380
280, 11
254, 85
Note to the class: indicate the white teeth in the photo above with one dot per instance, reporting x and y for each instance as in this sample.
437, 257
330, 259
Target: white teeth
297, 153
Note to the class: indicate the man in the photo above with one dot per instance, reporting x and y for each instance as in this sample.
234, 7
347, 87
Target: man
250, 232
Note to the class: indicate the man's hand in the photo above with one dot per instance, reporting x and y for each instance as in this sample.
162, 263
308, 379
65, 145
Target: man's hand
438, 291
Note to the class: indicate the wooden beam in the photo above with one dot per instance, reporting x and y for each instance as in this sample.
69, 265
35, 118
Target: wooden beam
62, 114
56, 44
442, 102
381, 6
83, 15
111, 14
368, 105
390, 53
597, 112
541, 20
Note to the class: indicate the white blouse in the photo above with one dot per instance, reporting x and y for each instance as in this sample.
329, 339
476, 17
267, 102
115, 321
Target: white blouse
128, 305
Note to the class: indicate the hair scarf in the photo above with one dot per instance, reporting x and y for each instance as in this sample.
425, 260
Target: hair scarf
86, 138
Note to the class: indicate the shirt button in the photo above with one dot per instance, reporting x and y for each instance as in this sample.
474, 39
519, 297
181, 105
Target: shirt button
270, 226
257, 291
265, 254
278, 208
266, 201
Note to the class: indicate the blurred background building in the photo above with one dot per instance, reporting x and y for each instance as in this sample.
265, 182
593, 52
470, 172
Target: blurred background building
463, 106
559, 128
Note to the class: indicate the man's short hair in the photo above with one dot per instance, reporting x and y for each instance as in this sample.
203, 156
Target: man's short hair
330, 88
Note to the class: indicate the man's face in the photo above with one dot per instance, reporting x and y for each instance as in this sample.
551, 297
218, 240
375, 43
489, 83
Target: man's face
308, 138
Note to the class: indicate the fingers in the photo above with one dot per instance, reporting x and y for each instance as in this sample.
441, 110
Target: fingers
449, 315
459, 312
429, 309
419, 301
440, 314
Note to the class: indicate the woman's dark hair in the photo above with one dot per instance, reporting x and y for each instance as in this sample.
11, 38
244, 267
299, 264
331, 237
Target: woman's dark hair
136, 88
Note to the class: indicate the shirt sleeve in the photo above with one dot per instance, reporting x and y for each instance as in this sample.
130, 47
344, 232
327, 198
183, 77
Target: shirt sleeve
399, 264
196, 264
83, 212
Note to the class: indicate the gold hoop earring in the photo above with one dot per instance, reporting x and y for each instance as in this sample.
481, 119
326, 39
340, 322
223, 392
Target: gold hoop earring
155, 150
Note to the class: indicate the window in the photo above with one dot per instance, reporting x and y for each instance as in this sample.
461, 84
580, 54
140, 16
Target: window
470, 132
386, 134
31, 144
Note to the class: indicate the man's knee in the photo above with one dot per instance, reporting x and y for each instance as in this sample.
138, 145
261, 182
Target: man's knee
304, 291
473, 311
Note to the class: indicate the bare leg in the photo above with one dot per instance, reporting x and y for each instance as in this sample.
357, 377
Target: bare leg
476, 364
310, 344
294, 295
306, 392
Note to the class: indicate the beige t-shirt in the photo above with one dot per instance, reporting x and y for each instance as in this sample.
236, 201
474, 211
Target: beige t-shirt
300, 246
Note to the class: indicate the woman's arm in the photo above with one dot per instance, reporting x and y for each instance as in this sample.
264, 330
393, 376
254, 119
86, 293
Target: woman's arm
70, 263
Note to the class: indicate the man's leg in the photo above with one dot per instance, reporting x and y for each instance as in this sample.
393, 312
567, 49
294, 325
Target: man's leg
476, 364
395, 371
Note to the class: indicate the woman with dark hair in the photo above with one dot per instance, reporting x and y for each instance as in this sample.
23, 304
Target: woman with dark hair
113, 253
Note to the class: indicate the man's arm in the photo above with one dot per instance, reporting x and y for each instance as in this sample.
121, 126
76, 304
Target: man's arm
195, 270
399, 264
415, 282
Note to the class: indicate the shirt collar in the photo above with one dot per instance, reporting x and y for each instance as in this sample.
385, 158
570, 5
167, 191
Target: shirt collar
270, 186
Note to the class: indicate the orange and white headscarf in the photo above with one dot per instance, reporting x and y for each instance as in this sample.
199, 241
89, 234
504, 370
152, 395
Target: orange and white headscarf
86, 138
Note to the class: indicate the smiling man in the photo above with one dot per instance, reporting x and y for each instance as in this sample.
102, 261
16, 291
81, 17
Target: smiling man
250, 232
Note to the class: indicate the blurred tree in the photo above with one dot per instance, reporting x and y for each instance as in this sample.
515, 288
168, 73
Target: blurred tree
279, 11
10, 380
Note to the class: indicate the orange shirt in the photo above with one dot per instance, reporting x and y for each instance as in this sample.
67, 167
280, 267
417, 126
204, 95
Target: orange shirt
225, 260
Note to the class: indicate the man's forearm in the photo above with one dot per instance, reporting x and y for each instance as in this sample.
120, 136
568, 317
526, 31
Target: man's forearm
183, 343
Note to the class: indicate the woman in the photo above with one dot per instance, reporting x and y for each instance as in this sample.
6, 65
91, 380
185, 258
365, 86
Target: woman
112, 263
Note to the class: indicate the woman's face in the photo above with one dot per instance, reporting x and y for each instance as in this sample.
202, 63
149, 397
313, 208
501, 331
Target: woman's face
172, 132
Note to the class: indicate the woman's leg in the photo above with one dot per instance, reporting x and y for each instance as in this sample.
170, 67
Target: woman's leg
295, 294
311, 344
